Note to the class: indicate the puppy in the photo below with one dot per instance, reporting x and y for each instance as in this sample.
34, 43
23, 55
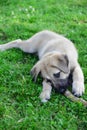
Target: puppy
58, 59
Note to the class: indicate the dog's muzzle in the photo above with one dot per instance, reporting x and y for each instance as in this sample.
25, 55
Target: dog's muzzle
61, 85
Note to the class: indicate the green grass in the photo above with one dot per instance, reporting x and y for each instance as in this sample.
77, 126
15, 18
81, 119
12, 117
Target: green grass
20, 106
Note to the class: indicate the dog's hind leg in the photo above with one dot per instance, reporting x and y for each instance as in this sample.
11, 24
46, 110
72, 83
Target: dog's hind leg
9, 45
32, 45
29, 46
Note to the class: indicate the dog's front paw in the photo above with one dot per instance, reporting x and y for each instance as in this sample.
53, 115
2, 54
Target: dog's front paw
78, 88
45, 96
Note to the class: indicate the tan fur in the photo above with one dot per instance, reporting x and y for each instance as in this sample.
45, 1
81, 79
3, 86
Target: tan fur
56, 54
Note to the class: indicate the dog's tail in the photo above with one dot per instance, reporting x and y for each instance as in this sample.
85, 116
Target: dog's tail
73, 98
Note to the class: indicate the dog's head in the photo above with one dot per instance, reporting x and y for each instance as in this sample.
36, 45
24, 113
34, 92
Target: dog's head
54, 67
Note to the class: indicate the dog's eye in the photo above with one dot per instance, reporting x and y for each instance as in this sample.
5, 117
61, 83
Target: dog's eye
57, 75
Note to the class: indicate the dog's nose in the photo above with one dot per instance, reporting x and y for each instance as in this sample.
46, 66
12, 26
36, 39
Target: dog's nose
62, 90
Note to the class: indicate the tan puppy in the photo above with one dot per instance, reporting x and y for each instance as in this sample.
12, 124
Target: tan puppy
58, 59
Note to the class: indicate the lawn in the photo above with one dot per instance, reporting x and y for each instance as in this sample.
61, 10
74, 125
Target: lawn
20, 106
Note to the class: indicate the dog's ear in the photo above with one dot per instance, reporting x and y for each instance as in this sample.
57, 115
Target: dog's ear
35, 71
63, 63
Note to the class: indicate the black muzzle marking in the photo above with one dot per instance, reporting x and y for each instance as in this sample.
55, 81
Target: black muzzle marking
61, 85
